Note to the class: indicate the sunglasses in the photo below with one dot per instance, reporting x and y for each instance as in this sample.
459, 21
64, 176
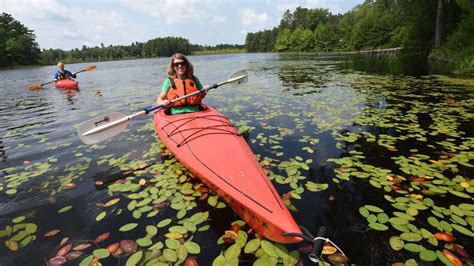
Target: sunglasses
182, 64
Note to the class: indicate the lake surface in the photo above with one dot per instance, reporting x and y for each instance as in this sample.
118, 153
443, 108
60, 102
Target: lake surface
384, 161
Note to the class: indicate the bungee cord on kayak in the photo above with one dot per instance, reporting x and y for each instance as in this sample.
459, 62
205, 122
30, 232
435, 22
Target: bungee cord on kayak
215, 129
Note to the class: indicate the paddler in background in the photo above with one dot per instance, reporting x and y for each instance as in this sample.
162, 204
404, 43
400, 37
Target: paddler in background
61, 73
180, 82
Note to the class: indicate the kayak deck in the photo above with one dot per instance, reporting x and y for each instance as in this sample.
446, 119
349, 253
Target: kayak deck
209, 146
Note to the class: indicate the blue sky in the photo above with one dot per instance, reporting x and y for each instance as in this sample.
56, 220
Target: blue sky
72, 24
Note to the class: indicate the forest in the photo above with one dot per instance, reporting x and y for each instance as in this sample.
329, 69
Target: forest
431, 29
428, 29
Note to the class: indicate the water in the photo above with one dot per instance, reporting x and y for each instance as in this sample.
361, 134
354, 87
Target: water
300, 108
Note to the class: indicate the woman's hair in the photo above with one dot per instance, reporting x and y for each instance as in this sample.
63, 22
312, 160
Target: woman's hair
60, 63
189, 68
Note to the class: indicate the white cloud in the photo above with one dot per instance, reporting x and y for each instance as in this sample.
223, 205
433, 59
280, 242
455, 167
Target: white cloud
71, 24
250, 18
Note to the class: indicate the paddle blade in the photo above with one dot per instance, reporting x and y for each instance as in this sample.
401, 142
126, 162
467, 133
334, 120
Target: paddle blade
240, 77
90, 68
35, 86
106, 127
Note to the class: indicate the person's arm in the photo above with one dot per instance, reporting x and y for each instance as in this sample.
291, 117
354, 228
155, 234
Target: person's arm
70, 74
162, 99
56, 74
199, 85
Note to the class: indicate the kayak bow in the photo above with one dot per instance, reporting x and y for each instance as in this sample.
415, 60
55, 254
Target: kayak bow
67, 84
209, 146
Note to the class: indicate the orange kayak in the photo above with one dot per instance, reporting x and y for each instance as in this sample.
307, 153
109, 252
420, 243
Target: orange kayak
209, 146
67, 84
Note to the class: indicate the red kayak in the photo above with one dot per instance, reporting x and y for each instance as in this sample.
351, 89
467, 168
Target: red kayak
67, 84
209, 146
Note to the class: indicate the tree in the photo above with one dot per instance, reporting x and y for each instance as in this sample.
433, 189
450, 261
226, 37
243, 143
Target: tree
17, 43
439, 24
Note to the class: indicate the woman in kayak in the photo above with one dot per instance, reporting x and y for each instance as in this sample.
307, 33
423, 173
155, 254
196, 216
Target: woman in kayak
61, 73
180, 82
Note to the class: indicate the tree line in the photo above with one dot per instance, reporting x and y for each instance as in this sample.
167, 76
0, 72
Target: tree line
428, 28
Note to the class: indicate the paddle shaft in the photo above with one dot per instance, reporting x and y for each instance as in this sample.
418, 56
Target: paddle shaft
151, 109
144, 112
214, 86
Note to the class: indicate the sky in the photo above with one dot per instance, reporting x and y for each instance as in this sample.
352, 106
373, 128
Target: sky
71, 24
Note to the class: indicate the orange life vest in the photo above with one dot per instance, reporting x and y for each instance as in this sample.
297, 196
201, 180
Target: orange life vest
180, 88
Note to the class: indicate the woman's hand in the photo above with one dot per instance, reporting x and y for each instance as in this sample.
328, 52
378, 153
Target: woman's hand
165, 103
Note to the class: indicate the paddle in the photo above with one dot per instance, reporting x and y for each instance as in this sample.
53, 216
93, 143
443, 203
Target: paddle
37, 86
104, 127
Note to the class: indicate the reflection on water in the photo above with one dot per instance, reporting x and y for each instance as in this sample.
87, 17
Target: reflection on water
356, 124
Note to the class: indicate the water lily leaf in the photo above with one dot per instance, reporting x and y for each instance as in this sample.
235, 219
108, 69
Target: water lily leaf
460, 194
396, 243
170, 255
81, 247
144, 242
174, 235
163, 223
428, 255
100, 216
132, 205
178, 229
212, 201
265, 260
372, 218
151, 230
412, 247
268, 248
404, 216
52, 233
31, 228
463, 230
232, 252
27, 240
18, 219
373, 208
134, 259
252, 245
73, 255
12, 245
58, 260
65, 209
433, 221
219, 261
397, 220
127, 227
378, 227
172, 243
87, 260
157, 246
101, 253
192, 247
412, 237
364, 212
128, 245
111, 202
